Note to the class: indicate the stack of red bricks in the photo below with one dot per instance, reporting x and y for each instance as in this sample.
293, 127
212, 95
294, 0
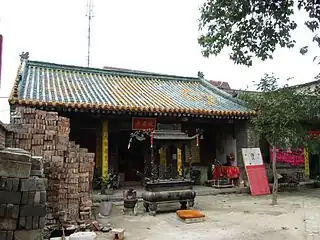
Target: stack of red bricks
85, 182
67, 167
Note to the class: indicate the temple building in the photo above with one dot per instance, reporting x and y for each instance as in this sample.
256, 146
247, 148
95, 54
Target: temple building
106, 106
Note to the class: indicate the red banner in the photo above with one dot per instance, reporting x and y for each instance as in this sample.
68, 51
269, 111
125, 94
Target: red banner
143, 123
315, 133
292, 157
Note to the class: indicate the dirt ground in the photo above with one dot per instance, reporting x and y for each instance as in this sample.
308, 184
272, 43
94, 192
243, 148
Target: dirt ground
228, 217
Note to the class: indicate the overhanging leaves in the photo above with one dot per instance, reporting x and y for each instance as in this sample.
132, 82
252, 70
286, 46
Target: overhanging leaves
253, 28
284, 113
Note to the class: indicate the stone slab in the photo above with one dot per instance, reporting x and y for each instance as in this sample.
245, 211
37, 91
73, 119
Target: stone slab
22, 222
3, 208
6, 235
12, 211
8, 224
42, 222
33, 184
35, 222
30, 210
37, 173
10, 197
15, 154
28, 224
28, 235
15, 169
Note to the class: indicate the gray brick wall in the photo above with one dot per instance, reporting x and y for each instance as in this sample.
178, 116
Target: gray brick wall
246, 137
2, 136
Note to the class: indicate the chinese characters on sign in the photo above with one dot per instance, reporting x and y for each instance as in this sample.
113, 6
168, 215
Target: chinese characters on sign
105, 160
252, 156
292, 157
256, 171
143, 123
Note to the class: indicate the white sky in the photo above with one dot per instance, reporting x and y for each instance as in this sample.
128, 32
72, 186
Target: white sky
151, 35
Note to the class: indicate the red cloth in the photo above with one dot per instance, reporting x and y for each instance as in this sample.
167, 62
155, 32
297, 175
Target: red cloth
225, 171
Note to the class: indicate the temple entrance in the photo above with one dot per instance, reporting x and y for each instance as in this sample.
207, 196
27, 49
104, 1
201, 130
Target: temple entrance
131, 160
314, 166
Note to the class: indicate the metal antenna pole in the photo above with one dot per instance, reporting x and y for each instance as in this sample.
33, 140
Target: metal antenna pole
90, 16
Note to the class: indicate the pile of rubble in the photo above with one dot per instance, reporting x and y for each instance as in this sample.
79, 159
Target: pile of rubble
68, 168
22, 195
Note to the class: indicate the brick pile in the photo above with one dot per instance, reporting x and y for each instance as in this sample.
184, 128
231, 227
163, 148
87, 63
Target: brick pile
67, 167
22, 196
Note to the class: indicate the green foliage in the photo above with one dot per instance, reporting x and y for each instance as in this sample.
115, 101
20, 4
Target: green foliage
284, 114
253, 28
111, 181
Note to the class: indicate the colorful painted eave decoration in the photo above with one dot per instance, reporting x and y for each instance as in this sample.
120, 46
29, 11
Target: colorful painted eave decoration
40, 84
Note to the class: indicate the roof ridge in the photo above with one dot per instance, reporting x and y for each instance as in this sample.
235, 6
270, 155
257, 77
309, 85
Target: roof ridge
107, 71
305, 84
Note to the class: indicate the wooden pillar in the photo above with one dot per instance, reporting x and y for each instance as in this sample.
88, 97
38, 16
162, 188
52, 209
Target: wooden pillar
105, 152
179, 161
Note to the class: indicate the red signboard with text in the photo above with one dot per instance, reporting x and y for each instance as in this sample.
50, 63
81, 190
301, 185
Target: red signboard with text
256, 171
315, 133
293, 157
143, 123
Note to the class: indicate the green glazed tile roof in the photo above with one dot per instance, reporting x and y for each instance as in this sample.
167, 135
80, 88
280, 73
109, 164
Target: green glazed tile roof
48, 84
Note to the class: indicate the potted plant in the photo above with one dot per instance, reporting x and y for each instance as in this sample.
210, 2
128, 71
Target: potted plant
109, 182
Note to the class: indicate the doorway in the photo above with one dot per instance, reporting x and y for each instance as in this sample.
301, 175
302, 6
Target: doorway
314, 166
131, 160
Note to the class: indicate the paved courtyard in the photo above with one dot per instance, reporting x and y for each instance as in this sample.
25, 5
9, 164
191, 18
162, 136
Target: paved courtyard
297, 217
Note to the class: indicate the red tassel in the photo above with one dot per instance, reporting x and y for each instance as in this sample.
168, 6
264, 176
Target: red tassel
197, 140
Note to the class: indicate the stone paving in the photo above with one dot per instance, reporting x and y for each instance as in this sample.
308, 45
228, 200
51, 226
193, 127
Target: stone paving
297, 217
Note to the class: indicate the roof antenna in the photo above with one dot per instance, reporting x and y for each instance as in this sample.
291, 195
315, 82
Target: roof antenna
89, 14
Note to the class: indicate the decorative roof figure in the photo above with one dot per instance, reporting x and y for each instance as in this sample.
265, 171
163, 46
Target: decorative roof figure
24, 56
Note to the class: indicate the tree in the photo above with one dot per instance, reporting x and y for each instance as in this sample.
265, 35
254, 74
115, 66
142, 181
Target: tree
253, 28
283, 117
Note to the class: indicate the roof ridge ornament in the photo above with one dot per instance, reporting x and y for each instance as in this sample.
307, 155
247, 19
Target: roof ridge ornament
24, 56
200, 75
